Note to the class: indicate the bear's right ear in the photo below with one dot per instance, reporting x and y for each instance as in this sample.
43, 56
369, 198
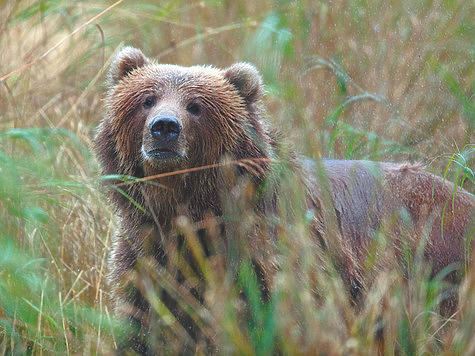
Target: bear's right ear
125, 61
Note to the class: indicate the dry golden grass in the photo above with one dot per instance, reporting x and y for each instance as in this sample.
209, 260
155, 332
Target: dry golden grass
381, 80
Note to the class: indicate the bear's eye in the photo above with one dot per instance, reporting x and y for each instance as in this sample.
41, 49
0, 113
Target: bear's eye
149, 102
194, 109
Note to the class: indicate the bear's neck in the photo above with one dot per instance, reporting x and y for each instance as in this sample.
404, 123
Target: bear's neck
161, 200
193, 194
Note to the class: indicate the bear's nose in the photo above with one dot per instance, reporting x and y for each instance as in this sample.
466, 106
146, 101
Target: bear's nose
164, 127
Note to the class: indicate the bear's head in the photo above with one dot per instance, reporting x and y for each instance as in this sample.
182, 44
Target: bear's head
163, 117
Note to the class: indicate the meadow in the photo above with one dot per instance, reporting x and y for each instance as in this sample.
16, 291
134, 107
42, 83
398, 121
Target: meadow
356, 79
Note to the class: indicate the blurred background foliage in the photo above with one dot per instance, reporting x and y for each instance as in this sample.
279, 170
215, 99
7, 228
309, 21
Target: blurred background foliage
359, 79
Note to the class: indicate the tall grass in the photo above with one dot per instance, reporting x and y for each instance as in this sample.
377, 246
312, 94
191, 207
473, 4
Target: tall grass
381, 80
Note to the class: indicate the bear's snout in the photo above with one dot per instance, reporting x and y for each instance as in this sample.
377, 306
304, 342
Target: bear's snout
165, 128
163, 138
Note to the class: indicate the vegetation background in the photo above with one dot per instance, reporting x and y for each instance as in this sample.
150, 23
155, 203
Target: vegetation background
357, 79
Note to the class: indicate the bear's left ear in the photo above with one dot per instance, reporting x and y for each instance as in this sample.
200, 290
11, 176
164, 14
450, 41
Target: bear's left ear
125, 61
246, 79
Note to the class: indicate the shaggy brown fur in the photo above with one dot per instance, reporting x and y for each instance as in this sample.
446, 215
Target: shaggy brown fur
163, 118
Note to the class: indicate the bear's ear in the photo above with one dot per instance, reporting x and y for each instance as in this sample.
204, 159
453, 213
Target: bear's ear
125, 61
246, 79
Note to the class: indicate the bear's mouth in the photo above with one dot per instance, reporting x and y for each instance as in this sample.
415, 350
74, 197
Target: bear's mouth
162, 154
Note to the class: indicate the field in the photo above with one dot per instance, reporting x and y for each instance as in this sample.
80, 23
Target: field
357, 79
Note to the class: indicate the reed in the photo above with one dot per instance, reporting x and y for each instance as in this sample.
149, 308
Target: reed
380, 80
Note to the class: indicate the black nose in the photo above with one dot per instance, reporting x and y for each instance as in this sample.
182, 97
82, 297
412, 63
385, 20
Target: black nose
165, 127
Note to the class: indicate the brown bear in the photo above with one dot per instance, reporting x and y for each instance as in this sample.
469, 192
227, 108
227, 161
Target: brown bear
192, 137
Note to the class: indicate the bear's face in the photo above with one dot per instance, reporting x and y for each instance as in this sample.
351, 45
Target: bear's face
167, 117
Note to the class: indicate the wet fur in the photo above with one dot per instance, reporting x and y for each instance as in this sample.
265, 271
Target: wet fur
400, 199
